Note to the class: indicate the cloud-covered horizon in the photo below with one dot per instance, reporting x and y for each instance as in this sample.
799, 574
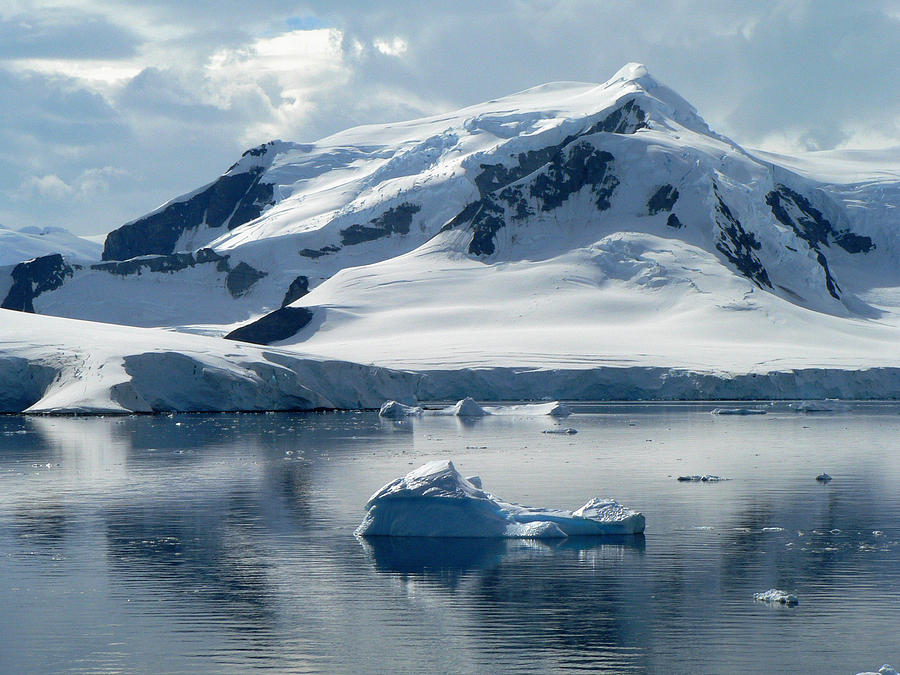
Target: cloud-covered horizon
110, 109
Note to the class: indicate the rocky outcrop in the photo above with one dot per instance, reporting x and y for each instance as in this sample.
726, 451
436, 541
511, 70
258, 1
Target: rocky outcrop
298, 288
174, 262
241, 279
279, 325
738, 245
33, 277
662, 200
568, 171
232, 200
795, 211
395, 220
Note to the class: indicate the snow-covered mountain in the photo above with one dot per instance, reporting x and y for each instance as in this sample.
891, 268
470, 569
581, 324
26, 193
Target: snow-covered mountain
34, 242
573, 228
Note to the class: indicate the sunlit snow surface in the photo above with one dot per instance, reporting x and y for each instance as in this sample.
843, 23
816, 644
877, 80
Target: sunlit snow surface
31, 242
436, 501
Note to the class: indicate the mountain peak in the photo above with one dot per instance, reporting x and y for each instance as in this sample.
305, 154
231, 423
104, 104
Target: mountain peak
632, 72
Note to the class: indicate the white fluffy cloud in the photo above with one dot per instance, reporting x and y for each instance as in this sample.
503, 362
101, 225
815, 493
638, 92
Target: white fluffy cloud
116, 107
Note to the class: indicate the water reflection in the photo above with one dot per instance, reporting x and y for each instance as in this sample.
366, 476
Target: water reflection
223, 543
450, 558
578, 602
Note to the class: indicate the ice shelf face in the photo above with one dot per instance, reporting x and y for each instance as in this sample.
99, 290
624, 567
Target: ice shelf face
435, 500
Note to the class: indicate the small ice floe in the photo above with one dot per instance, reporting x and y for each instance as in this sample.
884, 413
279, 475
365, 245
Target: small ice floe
561, 430
397, 411
775, 596
817, 406
468, 407
823, 477
886, 669
737, 411
553, 409
464, 408
706, 478
773, 529
436, 501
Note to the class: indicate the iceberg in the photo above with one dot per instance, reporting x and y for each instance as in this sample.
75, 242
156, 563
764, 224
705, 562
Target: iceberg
775, 596
706, 478
553, 409
464, 408
435, 500
886, 669
468, 407
567, 431
397, 411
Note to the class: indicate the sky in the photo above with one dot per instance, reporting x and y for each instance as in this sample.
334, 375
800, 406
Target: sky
109, 108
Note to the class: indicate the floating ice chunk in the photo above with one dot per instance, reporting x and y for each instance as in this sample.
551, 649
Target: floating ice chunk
886, 669
773, 529
775, 596
737, 411
811, 406
397, 411
436, 501
561, 430
465, 408
823, 477
706, 478
559, 410
553, 409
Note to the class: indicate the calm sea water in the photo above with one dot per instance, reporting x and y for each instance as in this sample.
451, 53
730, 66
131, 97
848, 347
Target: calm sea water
224, 543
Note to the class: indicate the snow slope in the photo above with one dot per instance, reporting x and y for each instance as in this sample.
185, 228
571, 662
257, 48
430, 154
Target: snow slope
298, 213
33, 242
53, 365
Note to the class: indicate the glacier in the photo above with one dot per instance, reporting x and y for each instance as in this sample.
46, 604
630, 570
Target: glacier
435, 500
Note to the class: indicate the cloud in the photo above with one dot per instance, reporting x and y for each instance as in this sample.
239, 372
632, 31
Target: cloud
169, 94
58, 33
49, 185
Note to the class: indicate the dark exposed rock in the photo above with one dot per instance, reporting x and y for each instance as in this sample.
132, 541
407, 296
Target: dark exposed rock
395, 220
496, 176
569, 170
625, 119
33, 277
278, 325
318, 253
232, 199
673, 222
173, 262
830, 283
662, 200
485, 224
298, 288
563, 169
738, 245
811, 226
241, 279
